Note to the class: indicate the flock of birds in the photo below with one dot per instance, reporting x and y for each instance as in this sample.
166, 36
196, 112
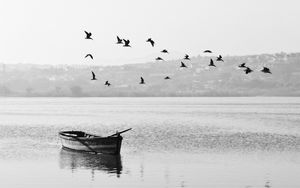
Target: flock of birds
126, 43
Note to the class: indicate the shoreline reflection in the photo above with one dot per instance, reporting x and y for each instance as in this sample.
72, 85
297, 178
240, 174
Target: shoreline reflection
73, 160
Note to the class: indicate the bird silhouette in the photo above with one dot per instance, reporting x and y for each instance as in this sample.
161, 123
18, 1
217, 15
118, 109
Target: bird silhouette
207, 51
107, 83
186, 57
126, 43
94, 76
242, 65
151, 41
88, 35
248, 70
142, 81
220, 58
211, 63
266, 70
164, 51
89, 55
167, 78
119, 41
183, 65
159, 59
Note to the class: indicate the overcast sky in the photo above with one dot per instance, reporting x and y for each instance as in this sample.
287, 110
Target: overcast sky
52, 31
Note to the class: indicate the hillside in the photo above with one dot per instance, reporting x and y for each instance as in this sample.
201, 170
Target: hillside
197, 80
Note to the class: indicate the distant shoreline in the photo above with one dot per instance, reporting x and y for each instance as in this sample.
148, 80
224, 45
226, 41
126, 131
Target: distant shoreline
198, 79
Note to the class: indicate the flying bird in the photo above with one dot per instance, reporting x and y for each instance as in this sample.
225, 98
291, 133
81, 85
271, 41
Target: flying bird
242, 65
207, 51
167, 78
151, 41
94, 76
89, 55
88, 35
107, 83
164, 51
126, 43
183, 65
159, 59
220, 58
248, 70
211, 63
187, 57
266, 70
119, 41
142, 81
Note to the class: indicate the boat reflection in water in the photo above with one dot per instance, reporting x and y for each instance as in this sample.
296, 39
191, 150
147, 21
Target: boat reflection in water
95, 162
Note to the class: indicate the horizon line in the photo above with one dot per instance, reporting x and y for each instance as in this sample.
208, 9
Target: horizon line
145, 62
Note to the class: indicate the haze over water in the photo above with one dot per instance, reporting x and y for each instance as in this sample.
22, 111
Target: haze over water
175, 142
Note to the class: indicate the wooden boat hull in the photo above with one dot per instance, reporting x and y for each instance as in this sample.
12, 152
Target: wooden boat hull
95, 144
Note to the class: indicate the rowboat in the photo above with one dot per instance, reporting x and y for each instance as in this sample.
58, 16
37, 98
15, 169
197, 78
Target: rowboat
81, 141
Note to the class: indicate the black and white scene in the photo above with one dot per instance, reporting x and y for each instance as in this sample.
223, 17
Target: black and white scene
150, 94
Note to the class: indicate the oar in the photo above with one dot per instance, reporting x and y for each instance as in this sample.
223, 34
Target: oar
118, 133
83, 143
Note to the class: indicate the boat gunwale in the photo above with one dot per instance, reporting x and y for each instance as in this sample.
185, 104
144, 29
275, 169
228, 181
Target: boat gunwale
93, 138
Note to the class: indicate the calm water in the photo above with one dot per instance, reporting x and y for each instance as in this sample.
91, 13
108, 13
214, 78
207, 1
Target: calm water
175, 142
